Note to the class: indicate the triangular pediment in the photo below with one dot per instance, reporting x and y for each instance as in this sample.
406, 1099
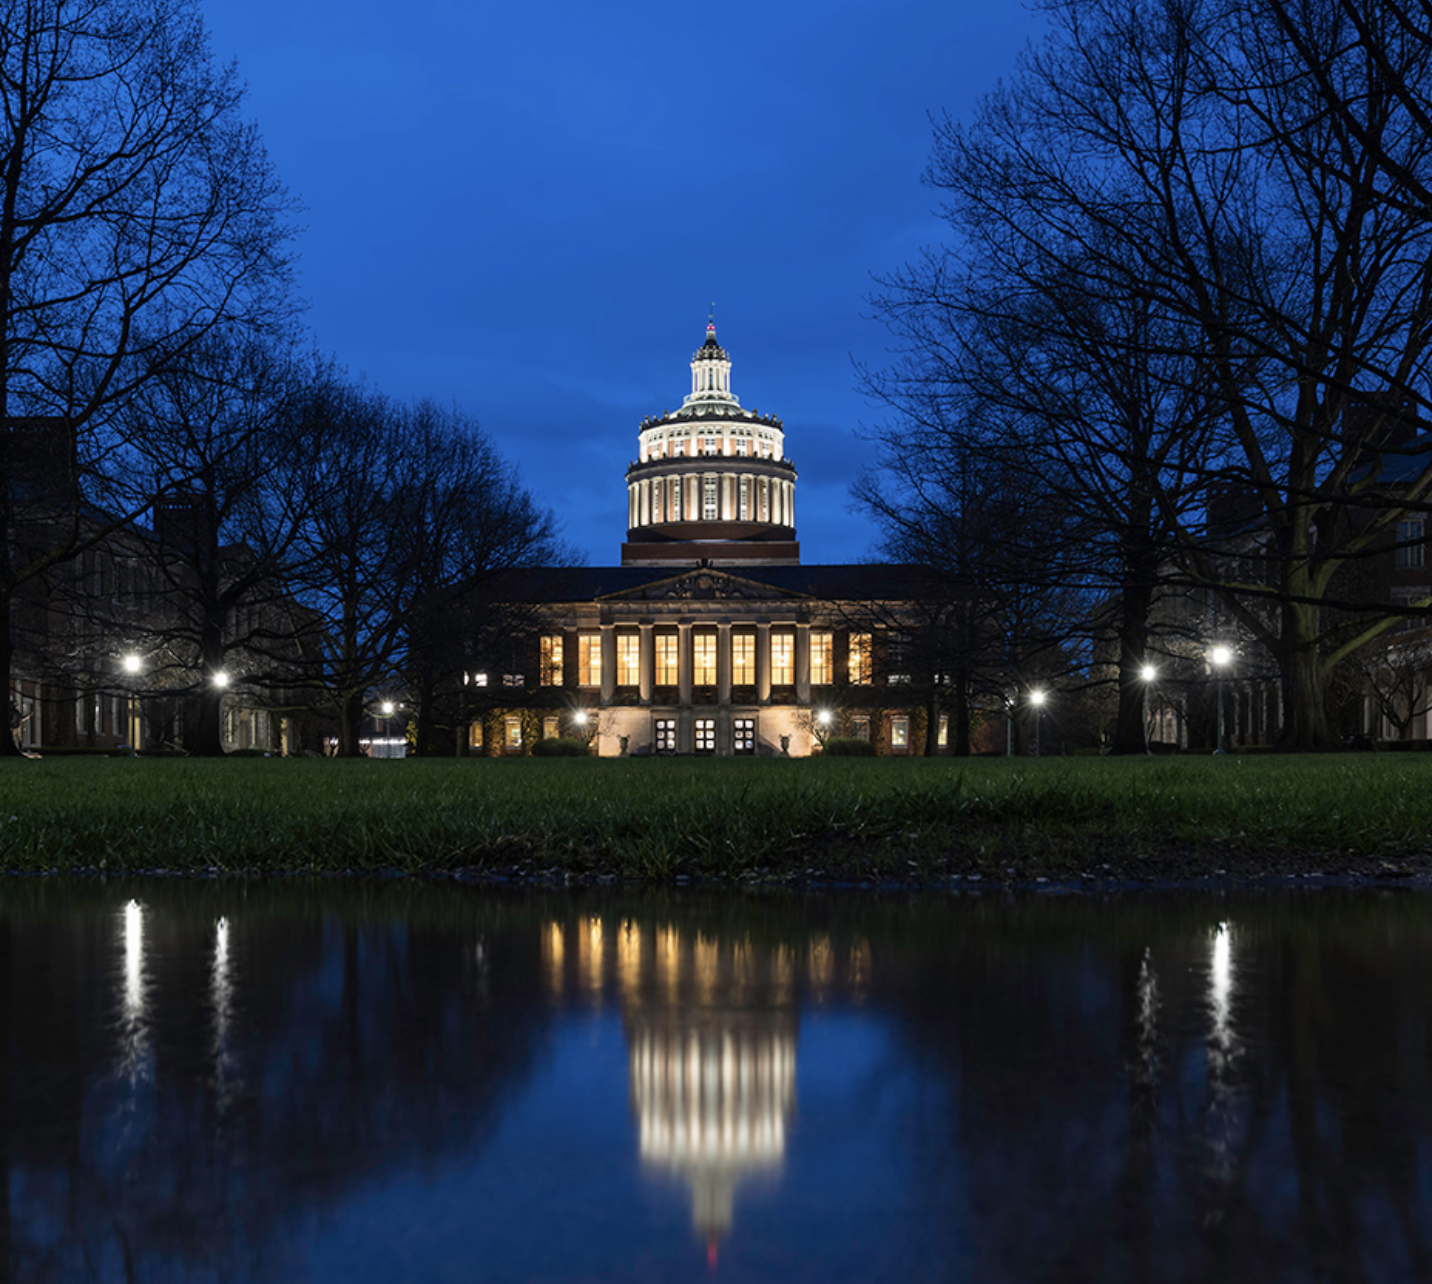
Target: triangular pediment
703, 584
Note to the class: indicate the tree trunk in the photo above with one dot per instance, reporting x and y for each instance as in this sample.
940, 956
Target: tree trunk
960, 720
350, 725
9, 744
1305, 716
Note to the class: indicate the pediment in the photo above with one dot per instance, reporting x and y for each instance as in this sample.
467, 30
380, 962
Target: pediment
706, 584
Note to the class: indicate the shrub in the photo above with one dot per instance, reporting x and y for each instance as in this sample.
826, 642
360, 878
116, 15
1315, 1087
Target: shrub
560, 747
849, 747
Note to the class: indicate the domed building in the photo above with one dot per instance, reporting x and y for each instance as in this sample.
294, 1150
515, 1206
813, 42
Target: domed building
710, 637
711, 479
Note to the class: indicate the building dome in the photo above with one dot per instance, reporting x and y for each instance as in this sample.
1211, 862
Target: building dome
711, 481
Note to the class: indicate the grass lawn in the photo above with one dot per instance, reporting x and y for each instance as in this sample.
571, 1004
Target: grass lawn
884, 819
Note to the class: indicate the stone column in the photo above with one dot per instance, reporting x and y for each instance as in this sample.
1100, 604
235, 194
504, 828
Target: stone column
802, 663
723, 662
684, 660
763, 663
791, 504
609, 663
646, 657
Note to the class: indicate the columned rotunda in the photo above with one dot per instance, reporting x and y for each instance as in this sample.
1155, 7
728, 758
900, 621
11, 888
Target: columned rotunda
711, 479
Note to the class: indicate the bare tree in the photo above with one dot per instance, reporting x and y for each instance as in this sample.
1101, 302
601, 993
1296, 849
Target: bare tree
137, 213
1216, 226
409, 511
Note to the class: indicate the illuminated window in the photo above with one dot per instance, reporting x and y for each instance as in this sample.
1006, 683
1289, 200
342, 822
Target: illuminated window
513, 729
705, 735
474, 735
783, 659
628, 659
743, 659
860, 658
743, 735
822, 658
666, 735
708, 499
899, 733
676, 513
666, 661
741, 446
703, 661
744, 509
943, 737
550, 728
589, 660
550, 671
708, 445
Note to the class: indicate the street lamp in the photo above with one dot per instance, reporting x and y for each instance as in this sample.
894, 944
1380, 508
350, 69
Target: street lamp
1148, 673
1220, 657
221, 679
1036, 698
132, 664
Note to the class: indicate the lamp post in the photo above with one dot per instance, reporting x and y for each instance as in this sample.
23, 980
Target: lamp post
1148, 673
1220, 656
822, 727
132, 666
1036, 699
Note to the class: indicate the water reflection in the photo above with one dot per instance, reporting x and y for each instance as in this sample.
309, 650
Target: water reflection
256, 1083
133, 1051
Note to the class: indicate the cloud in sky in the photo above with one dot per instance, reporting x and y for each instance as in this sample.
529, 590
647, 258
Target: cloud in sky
526, 210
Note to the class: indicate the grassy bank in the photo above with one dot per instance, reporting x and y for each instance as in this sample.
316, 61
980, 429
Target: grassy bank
1367, 815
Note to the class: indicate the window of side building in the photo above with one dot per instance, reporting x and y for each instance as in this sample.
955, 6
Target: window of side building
628, 659
667, 670
743, 659
1411, 552
899, 732
860, 666
703, 659
550, 668
783, 659
705, 735
822, 657
589, 660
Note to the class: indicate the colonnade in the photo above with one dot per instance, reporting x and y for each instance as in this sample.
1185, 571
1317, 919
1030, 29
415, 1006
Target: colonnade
685, 668
738, 497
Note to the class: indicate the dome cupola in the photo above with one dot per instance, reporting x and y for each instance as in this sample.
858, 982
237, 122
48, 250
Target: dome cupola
711, 481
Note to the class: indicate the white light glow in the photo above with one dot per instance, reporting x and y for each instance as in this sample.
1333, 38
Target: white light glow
132, 664
1036, 697
221, 679
134, 1030
1148, 673
1220, 655
388, 708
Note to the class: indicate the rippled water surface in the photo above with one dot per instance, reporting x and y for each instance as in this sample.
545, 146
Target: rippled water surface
231, 1082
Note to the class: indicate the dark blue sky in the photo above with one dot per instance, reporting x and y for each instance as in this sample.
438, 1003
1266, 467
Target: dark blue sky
525, 209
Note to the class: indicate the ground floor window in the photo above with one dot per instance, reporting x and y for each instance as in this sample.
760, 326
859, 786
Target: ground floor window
513, 728
899, 733
944, 732
666, 735
743, 735
705, 735
474, 735
860, 728
550, 729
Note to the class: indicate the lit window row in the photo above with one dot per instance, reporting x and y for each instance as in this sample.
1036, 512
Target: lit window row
667, 661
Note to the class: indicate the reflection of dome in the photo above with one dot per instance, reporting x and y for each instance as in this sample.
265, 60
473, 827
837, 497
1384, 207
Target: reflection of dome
711, 1106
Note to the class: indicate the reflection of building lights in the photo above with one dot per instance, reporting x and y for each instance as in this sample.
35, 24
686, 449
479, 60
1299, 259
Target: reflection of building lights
553, 948
590, 947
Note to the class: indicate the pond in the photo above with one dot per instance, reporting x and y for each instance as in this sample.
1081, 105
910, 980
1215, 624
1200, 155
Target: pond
230, 1081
